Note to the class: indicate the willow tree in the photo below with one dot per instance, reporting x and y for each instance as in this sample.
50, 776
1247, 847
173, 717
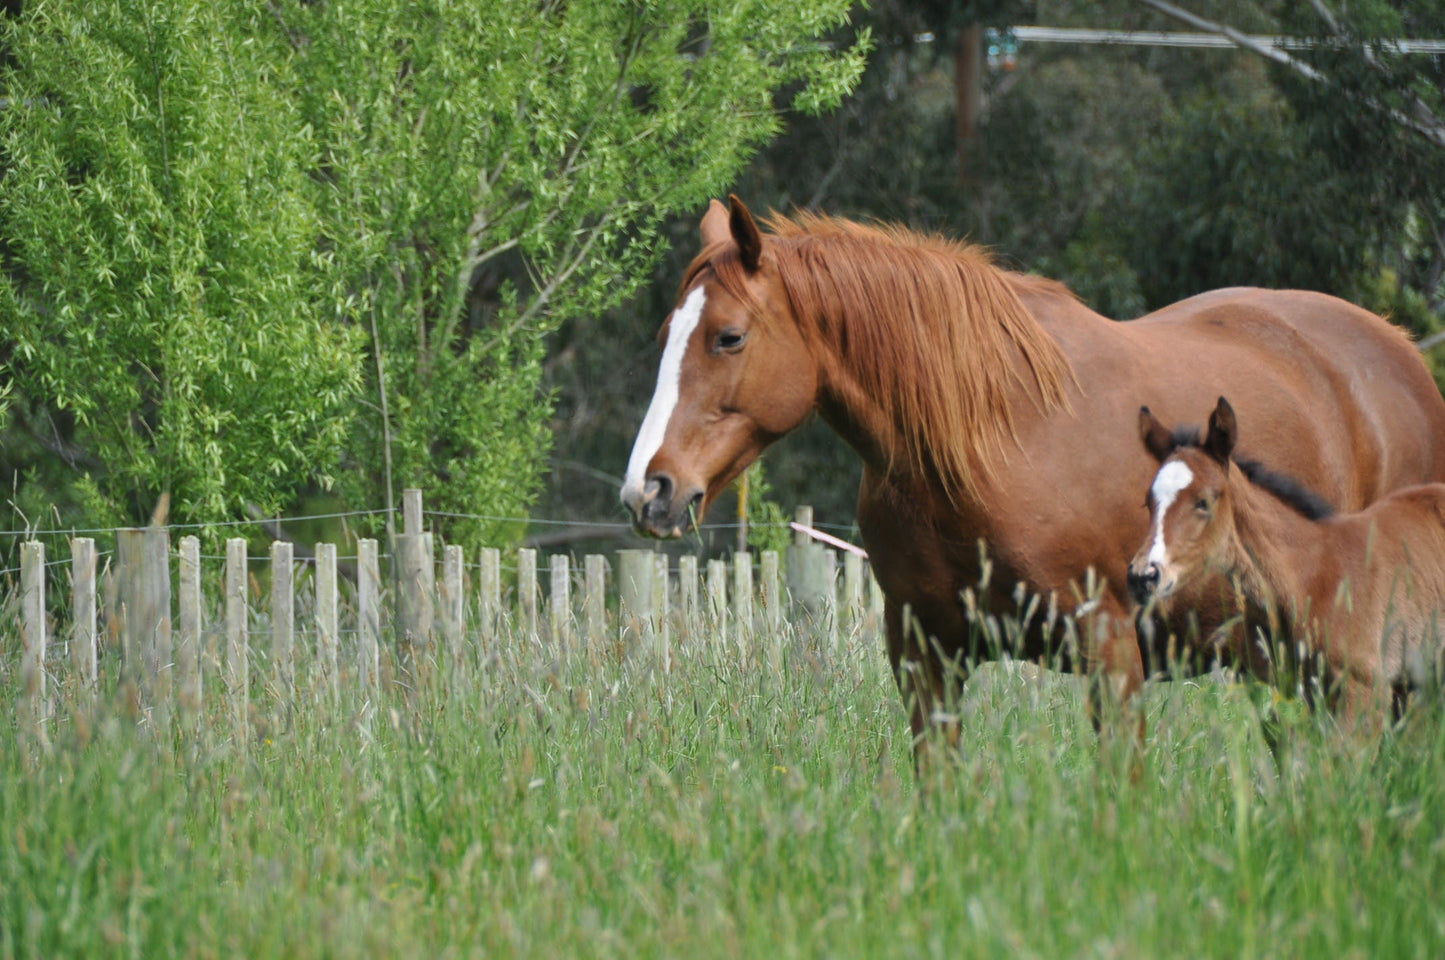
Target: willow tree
170, 322
253, 249
490, 169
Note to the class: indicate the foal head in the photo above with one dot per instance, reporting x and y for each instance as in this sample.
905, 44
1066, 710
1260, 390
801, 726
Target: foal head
1191, 516
735, 375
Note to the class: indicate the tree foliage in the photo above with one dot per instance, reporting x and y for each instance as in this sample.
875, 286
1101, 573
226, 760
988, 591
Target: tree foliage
491, 178
170, 322
252, 249
1378, 115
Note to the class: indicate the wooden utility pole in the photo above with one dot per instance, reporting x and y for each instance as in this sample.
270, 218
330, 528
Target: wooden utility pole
968, 92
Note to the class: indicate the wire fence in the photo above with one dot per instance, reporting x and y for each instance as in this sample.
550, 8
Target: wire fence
156, 611
582, 526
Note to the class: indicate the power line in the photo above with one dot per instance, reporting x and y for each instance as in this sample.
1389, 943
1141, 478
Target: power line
1181, 38
1172, 38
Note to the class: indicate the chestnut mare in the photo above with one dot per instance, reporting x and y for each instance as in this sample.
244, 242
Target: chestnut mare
992, 406
1362, 594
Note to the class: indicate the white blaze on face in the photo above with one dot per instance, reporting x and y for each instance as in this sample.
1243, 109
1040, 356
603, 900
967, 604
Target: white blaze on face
664, 397
1173, 477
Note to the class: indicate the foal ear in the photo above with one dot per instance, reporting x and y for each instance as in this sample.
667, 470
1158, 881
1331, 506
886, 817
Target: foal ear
1223, 431
715, 223
1156, 437
745, 233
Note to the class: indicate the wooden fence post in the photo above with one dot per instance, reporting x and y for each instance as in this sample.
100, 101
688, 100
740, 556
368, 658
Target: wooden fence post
368, 613
634, 596
283, 616
453, 597
559, 598
188, 649
661, 632
743, 601
717, 601
491, 599
328, 629
689, 626
852, 591
829, 585
595, 599
238, 667
143, 600
32, 632
771, 588
416, 582
809, 581
875, 600
82, 598
527, 593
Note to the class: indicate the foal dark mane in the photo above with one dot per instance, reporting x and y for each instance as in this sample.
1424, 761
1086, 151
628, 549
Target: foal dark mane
1285, 488
931, 329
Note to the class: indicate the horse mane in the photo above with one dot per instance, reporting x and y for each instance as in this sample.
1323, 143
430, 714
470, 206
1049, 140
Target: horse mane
1285, 488
933, 331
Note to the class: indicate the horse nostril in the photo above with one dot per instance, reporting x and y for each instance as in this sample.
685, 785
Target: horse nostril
1152, 574
658, 489
694, 508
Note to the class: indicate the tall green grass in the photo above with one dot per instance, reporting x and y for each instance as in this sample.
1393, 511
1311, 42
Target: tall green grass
537, 806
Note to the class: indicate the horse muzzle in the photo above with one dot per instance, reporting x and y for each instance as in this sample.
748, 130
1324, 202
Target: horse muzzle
1144, 582
657, 509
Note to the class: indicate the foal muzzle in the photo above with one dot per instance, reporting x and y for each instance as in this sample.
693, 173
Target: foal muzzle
1144, 582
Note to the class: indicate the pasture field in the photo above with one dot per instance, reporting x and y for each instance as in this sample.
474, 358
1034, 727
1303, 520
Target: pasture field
527, 806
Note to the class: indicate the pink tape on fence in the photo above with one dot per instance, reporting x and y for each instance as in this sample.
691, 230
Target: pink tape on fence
829, 539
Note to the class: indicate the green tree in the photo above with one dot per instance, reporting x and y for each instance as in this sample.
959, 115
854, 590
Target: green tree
1367, 116
169, 320
1250, 203
490, 170
249, 249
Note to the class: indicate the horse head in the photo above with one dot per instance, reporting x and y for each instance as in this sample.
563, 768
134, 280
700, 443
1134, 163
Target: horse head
1189, 501
735, 375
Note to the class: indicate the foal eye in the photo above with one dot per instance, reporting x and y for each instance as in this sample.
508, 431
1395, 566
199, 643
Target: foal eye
1202, 505
730, 340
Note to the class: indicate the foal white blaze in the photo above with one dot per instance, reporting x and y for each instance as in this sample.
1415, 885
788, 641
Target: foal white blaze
1169, 482
664, 396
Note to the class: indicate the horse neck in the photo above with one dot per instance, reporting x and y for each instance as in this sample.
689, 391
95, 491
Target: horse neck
925, 389
860, 420
1279, 554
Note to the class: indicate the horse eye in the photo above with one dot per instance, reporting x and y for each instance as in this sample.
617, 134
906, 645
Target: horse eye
1202, 505
730, 339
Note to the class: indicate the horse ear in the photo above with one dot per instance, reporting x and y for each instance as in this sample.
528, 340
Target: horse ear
715, 223
745, 233
1223, 431
1156, 437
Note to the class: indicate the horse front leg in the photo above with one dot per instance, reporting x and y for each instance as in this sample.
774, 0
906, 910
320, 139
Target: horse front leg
1116, 678
1362, 709
929, 686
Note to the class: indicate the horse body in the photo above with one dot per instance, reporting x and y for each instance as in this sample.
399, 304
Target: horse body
996, 407
1364, 591
1046, 527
